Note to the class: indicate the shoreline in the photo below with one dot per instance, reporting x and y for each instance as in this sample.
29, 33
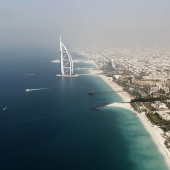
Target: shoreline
118, 89
154, 131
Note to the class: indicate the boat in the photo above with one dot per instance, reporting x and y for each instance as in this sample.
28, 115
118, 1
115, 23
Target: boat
27, 90
90, 92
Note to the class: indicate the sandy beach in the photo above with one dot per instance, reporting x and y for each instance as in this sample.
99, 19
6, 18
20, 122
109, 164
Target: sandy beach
154, 131
119, 90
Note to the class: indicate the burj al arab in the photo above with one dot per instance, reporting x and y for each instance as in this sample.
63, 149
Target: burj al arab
66, 62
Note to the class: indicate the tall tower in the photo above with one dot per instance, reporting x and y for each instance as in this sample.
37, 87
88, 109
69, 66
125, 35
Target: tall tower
66, 60
112, 63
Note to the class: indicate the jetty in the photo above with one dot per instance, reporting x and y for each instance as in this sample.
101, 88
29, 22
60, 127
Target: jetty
102, 106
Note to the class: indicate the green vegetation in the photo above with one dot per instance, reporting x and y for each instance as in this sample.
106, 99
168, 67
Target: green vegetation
167, 143
168, 105
139, 104
154, 118
148, 105
164, 124
145, 100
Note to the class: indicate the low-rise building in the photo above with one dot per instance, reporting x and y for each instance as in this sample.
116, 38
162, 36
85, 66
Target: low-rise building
159, 105
163, 115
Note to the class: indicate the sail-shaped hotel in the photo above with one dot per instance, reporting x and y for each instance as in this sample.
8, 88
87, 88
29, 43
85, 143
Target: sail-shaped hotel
65, 61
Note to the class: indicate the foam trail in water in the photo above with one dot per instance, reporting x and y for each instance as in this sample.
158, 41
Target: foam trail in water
28, 75
44, 88
37, 89
5, 108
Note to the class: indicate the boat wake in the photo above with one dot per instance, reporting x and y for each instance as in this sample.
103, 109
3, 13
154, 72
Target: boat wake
24, 75
28, 90
29, 75
4, 108
37, 89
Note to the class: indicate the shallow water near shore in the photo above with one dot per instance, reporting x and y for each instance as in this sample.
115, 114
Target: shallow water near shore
58, 128
142, 152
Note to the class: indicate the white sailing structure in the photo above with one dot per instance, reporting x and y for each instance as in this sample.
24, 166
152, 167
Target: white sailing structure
66, 61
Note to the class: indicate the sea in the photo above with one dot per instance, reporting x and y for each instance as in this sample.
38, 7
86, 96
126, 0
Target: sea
54, 126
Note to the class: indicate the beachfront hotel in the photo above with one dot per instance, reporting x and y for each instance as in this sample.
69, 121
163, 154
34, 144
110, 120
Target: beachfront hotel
66, 60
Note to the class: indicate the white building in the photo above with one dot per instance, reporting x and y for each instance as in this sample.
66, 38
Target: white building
66, 60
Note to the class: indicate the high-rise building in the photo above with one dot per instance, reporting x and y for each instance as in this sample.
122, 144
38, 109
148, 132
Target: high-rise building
112, 63
66, 60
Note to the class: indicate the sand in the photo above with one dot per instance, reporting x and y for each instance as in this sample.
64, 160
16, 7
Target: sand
154, 131
124, 95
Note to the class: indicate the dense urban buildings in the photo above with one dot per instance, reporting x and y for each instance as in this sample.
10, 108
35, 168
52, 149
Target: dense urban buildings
144, 73
145, 70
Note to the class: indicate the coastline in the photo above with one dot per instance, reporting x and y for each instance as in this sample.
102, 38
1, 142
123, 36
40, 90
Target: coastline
154, 131
119, 90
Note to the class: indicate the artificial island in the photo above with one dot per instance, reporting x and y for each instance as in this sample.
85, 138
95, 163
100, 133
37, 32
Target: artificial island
66, 62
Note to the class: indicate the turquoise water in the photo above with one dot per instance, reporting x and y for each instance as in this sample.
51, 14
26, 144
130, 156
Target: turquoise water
58, 128
141, 151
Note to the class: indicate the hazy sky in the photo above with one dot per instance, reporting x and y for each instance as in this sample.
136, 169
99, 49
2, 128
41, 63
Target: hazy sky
82, 22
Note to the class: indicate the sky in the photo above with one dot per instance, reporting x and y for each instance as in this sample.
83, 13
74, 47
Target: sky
85, 22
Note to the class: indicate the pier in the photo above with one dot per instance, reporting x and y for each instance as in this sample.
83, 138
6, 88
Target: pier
102, 106
101, 92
